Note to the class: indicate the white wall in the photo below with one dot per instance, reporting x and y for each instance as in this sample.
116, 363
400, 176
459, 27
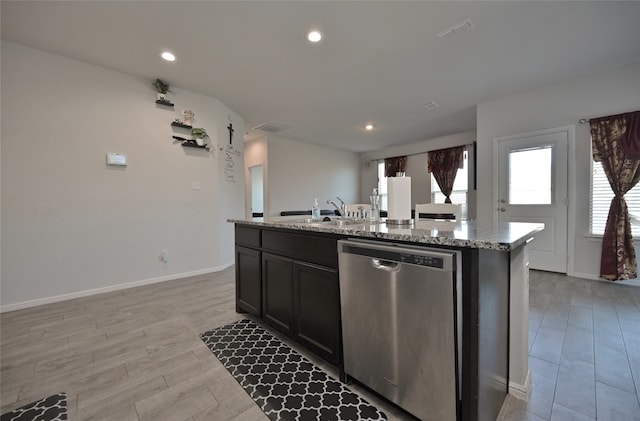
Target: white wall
230, 198
71, 225
565, 104
299, 172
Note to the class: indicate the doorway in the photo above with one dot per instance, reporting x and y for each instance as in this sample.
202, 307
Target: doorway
533, 187
256, 177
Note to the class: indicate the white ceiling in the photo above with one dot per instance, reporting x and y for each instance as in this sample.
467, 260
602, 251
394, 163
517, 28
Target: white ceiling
379, 62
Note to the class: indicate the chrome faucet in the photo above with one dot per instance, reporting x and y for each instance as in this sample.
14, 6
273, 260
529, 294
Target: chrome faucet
343, 206
341, 211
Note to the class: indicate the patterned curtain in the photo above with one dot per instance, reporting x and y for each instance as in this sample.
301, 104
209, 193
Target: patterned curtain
444, 165
394, 165
616, 145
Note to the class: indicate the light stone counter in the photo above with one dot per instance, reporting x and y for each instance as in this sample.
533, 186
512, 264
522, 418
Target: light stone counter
468, 234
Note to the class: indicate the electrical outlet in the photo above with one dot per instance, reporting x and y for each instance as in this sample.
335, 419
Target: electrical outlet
164, 255
195, 185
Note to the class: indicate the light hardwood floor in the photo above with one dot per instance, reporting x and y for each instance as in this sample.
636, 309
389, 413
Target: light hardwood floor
130, 355
136, 355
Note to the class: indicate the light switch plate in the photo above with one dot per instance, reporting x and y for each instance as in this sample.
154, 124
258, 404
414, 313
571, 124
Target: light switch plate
119, 159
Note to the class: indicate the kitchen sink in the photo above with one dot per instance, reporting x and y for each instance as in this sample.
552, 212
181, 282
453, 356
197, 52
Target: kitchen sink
337, 222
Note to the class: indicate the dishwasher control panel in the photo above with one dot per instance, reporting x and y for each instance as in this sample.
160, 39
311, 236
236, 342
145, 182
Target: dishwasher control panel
430, 261
427, 257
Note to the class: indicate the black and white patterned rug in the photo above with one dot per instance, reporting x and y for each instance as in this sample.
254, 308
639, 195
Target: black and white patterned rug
51, 408
284, 384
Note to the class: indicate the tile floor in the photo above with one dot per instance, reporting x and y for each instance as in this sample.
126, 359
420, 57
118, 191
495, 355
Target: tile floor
135, 354
584, 351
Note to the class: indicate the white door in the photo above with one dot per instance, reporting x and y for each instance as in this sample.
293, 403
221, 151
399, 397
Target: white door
532, 187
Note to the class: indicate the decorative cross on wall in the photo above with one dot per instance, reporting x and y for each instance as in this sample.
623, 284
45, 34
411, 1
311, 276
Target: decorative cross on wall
230, 127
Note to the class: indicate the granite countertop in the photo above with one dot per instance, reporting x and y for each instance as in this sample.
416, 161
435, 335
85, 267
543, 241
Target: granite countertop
503, 236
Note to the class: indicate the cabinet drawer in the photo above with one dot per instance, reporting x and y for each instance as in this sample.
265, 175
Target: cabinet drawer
308, 247
248, 236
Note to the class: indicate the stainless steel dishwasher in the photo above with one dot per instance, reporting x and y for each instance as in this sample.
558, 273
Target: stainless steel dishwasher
401, 324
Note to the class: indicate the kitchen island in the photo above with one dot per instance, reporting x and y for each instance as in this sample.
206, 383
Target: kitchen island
287, 274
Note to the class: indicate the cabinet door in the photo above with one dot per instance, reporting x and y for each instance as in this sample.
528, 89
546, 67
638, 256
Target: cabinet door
317, 305
248, 281
277, 297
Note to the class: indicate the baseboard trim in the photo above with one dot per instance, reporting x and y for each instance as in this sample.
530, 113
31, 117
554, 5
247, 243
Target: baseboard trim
521, 391
592, 277
64, 297
589, 276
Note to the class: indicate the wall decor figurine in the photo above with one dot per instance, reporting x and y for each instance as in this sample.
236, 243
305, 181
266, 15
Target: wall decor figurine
187, 117
231, 130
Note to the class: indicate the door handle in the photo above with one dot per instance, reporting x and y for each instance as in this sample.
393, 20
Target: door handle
503, 201
503, 209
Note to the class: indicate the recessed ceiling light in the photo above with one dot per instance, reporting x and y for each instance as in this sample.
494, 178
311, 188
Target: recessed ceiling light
369, 127
168, 56
314, 36
431, 105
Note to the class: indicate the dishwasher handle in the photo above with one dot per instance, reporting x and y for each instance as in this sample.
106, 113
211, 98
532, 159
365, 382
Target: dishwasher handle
387, 265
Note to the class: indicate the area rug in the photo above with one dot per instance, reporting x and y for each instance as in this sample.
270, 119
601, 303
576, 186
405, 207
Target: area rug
51, 408
284, 384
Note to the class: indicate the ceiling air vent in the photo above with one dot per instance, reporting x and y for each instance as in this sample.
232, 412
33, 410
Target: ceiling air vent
272, 127
456, 30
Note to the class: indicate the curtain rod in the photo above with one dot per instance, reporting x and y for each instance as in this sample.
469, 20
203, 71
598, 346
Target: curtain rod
586, 120
420, 153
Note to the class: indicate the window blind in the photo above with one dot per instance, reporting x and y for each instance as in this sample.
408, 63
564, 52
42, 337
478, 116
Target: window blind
601, 196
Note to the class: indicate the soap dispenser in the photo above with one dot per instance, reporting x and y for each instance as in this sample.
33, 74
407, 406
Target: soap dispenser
315, 211
375, 206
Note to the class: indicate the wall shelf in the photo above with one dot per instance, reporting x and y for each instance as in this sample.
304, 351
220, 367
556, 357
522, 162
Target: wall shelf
194, 145
182, 126
165, 103
190, 143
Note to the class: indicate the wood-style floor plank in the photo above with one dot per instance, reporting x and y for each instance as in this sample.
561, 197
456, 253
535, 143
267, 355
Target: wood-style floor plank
135, 354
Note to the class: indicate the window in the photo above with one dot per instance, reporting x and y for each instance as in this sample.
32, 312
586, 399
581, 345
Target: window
525, 189
382, 186
601, 196
460, 188
458, 195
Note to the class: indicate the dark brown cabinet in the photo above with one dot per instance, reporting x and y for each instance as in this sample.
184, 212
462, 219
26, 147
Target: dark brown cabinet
248, 281
298, 285
277, 296
248, 270
302, 301
317, 307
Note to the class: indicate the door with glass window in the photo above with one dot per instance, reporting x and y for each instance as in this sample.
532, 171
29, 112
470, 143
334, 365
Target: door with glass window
532, 187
